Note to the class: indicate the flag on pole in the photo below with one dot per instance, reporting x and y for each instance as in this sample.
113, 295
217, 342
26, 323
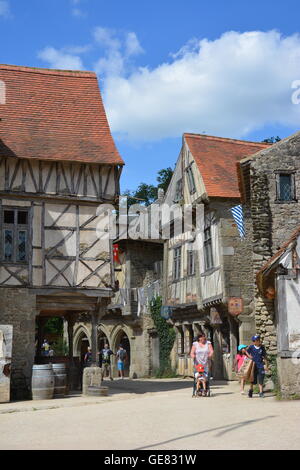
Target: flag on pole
238, 215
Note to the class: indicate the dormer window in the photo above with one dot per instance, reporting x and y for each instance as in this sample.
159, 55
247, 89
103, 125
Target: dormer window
285, 185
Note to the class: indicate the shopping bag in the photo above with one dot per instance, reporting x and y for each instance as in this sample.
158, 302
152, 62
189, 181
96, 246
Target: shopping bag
248, 374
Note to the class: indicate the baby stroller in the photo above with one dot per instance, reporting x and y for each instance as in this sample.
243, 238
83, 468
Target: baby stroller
201, 392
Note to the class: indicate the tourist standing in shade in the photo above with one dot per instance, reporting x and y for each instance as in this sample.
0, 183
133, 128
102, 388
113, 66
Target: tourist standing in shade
121, 358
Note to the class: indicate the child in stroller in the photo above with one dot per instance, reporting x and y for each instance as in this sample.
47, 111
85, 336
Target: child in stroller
201, 382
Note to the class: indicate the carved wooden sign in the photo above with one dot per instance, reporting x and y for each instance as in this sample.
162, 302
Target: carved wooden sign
235, 306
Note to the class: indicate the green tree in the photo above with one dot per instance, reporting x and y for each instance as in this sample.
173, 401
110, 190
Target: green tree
146, 194
54, 326
164, 177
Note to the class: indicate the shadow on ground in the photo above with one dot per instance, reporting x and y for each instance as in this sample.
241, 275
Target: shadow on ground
222, 430
149, 386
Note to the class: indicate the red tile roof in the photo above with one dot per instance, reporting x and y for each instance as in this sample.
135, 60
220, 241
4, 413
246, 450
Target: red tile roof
216, 158
54, 115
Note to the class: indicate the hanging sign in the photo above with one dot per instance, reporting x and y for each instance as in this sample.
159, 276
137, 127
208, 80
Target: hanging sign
235, 306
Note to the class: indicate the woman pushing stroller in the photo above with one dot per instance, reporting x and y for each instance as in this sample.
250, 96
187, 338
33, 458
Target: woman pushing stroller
201, 353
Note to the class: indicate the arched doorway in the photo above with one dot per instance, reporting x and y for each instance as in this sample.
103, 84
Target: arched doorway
123, 339
81, 345
102, 340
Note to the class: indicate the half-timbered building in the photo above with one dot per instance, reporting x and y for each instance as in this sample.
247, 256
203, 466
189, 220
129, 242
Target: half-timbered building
58, 166
128, 320
204, 266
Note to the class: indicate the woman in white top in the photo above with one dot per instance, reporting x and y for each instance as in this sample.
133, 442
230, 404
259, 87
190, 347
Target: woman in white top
202, 351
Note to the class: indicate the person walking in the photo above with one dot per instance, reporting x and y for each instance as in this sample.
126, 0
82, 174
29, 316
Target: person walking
104, 358
88, 357
201, 353
45, 348
121, 358
241, 362
257, 353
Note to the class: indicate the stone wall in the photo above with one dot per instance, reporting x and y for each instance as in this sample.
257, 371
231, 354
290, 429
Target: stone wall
18, 308
236, 263
273, 221
289, 377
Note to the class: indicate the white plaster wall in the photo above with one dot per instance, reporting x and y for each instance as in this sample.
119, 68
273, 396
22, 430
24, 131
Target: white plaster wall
293, 312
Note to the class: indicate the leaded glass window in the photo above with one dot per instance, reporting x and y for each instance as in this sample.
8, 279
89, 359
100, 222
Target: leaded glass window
285, 182
286, 186
8, 245
190, 262
178, 191
208, 253
15, 235
177, 264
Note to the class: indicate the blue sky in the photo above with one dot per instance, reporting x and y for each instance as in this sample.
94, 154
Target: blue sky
168, 67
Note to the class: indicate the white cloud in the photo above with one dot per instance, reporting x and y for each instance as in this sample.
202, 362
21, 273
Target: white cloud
229, 86
4, 8
118, 51
133, 46
76, 11
58, 59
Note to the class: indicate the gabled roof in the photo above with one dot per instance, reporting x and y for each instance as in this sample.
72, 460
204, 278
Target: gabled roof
276, 257
290, 140
54, 115
216, 158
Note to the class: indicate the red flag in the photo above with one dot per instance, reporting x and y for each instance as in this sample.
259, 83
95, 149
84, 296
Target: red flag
116, 253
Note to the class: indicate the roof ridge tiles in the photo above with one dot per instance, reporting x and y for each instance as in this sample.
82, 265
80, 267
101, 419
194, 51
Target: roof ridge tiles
227, 139
46, 71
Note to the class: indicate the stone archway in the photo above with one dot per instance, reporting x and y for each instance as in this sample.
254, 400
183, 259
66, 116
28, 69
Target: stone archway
121, 336
103, 337
81, 343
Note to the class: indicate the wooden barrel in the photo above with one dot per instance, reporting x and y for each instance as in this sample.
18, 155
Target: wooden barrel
97, 391
60, 380
42, 383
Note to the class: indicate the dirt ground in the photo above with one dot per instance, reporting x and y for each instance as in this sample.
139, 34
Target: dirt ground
152, 414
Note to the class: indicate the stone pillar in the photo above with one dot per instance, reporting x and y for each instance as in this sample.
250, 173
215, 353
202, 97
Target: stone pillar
233, 346
92, 376
186, 338
94, 338
71, 323
218, 355
73, 372
246, 329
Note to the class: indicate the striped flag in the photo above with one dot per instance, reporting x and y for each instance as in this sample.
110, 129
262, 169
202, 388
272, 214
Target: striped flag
237, 212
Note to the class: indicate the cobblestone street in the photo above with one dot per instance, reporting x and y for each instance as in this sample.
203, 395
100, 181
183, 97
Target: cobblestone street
152, 414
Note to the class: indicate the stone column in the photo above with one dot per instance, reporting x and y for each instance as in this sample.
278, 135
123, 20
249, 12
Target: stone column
94, 338
71, 323
233, 345
92, 376
218, 356
73, 372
